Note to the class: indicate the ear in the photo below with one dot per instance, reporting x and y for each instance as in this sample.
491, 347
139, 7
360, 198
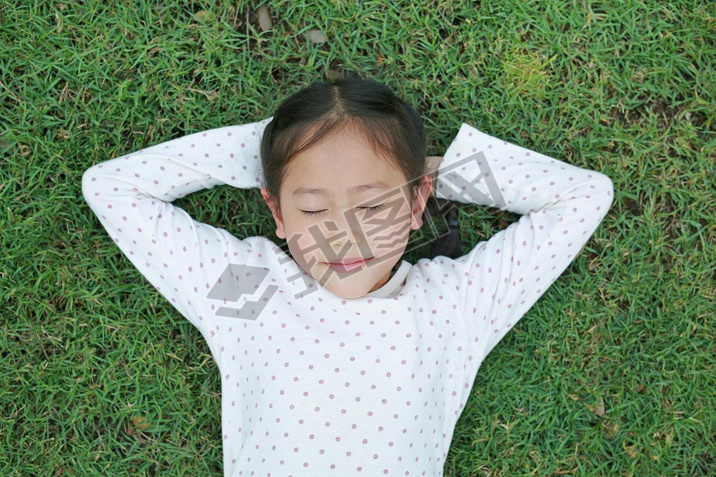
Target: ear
421, 200
271, 202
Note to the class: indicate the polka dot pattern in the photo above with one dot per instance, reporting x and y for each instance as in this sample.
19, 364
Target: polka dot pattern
313, 384
561, 206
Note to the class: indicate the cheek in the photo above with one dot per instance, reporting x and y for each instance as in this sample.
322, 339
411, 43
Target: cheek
306, 235
304, 245
297, 230
388, 235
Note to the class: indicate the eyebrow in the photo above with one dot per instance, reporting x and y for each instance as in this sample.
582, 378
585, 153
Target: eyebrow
352, 190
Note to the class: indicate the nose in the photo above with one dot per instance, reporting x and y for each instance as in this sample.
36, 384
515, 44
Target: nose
346, 235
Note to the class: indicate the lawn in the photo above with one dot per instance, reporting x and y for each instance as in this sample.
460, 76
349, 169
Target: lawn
612, 372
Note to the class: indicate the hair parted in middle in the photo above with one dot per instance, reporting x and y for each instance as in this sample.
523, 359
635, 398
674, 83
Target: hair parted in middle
389, 124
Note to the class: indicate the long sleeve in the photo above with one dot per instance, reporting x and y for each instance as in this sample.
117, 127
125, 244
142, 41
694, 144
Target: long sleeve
561, 206
132, 194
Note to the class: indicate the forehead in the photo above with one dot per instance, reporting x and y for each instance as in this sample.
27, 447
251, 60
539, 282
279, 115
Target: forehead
357, 189
342, 163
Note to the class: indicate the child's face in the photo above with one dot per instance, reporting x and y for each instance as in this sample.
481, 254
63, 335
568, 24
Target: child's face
342, 229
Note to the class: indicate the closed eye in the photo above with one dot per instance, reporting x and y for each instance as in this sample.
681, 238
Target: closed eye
316, 212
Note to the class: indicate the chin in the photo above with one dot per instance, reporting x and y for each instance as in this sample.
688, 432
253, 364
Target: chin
344, 290
348, 286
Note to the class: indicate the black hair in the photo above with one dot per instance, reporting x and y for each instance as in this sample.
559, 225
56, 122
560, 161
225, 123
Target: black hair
390, 124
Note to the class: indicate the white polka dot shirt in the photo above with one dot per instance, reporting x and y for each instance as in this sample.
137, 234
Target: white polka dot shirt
316, 385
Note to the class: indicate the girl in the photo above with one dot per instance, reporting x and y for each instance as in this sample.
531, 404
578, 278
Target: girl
337, 357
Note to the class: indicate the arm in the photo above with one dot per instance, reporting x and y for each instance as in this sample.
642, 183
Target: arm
132, 194
561, 206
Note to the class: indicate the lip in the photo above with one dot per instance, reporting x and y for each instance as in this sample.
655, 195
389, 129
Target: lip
349, 260
348, 264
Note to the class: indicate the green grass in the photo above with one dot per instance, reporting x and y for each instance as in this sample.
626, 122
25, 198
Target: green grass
100, 376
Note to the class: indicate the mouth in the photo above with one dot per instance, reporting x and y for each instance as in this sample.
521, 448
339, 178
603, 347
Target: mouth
349, 264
